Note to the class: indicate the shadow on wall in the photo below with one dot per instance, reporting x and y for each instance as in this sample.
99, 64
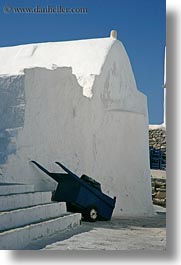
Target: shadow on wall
12, 108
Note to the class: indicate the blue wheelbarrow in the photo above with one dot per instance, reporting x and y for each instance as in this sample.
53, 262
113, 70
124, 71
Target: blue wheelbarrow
82, 195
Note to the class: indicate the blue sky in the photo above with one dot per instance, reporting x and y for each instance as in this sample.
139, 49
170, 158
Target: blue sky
140, 25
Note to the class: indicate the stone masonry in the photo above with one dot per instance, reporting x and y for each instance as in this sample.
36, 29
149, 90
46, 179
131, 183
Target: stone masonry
157, 139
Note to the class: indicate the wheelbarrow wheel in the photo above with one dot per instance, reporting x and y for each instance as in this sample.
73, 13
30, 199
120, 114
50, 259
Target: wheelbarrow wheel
92, 214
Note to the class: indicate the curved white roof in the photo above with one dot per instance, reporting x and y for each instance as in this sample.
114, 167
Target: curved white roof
84, 56
87, 58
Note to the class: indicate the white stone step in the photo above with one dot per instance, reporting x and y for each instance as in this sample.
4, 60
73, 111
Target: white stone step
15, 201
14, 188
25, 216
21, 237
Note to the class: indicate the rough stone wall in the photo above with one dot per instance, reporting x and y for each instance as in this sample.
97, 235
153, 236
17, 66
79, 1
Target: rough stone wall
159, 191
157, 139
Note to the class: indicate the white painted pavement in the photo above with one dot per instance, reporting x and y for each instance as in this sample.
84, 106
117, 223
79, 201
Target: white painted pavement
118, 234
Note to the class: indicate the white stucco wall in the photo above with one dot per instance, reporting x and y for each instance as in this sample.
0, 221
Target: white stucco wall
104, 136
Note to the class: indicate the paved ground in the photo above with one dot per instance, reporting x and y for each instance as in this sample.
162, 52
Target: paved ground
158, 173
118, 234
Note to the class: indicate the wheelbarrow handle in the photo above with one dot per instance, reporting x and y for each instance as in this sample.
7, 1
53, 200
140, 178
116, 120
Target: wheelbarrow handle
54, 176
41, 167
66, 169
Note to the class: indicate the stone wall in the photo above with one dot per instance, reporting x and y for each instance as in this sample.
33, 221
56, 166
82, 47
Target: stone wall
157, 139
159, 191
157, 145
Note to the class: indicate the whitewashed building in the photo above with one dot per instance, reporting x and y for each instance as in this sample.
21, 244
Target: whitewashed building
75, 102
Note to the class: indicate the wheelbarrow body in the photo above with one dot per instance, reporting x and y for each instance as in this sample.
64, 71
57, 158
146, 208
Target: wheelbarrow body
80, 196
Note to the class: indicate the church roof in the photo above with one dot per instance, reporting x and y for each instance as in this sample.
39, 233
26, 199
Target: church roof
84, 56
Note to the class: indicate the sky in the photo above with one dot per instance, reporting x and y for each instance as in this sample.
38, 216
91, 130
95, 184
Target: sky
141, 26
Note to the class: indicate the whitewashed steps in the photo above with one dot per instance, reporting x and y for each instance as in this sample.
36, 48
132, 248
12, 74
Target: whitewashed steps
16, 201
22, 217
27, 216
21, 237
14, 188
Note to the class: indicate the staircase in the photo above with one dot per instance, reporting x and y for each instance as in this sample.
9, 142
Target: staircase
27, 216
